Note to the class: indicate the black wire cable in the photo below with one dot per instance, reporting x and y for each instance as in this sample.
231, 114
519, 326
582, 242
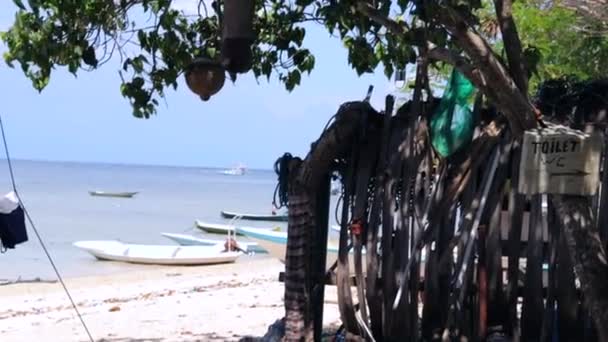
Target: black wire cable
27, 215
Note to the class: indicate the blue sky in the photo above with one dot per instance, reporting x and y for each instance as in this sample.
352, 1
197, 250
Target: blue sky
86, 119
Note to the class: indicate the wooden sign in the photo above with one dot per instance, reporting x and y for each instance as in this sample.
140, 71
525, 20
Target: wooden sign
560, 160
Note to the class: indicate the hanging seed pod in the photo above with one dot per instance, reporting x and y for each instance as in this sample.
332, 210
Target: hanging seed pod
237, 35
205, 77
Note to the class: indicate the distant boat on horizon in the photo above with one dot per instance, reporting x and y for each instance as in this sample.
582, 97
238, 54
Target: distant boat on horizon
238, 170
113, 194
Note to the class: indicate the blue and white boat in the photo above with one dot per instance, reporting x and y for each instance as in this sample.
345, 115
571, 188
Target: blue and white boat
189, 240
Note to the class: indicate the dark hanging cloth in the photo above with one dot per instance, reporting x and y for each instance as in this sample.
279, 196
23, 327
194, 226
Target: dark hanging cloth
12, 222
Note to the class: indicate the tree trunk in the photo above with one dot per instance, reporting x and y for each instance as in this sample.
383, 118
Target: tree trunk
587, 255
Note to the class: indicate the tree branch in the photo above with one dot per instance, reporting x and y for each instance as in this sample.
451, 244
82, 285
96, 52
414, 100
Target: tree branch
509, 99
375, 15
512, 43
435, 52
464, 66
487, 71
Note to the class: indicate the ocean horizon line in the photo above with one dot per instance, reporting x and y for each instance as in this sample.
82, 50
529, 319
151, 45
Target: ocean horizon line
122, 164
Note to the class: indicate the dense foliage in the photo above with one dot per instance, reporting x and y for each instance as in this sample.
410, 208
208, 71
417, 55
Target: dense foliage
564, 44
156, 42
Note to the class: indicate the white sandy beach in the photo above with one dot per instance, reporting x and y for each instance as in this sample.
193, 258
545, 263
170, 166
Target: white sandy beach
208, 303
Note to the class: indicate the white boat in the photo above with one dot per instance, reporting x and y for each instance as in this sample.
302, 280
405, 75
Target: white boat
238, 170
157, 254
189, 240
274, 217
215, 228
275, 243
224, 229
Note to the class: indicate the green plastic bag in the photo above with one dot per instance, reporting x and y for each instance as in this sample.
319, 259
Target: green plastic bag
452, 124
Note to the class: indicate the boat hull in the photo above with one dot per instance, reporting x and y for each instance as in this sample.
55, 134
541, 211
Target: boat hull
276, 243
188, 240
157, 255
216, 228
112, 194
254, 217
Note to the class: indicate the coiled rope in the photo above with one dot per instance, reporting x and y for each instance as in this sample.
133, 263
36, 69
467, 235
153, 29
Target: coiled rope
281, 168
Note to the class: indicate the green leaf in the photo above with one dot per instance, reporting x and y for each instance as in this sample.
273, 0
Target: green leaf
388, 70
293, 79
138, 64
266, 70
19, 4
78, 51
89, 57
138, 82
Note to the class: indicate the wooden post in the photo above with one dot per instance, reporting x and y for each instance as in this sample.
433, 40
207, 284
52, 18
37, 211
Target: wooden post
516, 213
482, 283
566, 290
587, 255
603, 198
319, 255
532, 307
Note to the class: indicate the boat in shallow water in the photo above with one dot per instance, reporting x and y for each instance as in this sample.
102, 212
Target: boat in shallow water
113, 194
215, 228
276, 243
189, 240
157, 254
255, 217
224, 229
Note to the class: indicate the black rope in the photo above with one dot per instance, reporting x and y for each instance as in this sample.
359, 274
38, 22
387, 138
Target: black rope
27, 215
281, 168
338, 203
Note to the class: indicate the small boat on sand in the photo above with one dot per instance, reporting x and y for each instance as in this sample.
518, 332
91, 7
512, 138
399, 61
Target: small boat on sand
189, 240
157, 254
113, 194
255, 217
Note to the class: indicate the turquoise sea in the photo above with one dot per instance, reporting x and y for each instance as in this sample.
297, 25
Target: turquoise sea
169, 200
